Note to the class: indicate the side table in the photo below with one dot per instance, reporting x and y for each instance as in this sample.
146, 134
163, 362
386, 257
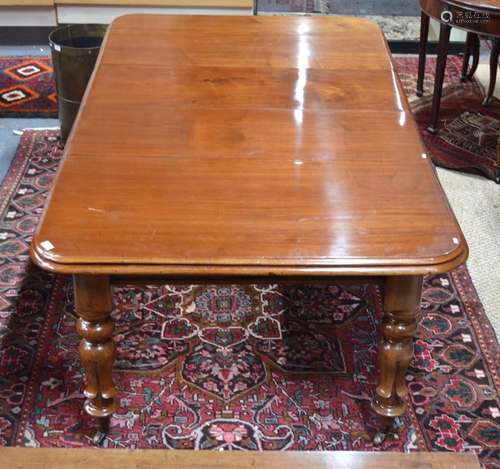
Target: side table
474, 16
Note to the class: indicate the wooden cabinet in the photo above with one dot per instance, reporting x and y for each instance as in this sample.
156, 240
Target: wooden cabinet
22, 3
53, 12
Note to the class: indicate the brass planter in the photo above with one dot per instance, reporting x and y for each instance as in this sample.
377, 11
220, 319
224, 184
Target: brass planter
74, 52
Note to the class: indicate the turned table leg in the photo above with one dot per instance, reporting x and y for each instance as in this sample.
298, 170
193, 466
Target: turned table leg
444, 41
97, 349
422, 52
401, 303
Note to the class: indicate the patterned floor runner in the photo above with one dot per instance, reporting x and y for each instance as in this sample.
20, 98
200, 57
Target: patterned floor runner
233, 367
27, 87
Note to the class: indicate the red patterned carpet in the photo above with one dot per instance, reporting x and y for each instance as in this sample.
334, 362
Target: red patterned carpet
27, 87
457, 144
233, 367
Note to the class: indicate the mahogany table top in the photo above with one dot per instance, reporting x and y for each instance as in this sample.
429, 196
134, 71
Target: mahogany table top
478, 4
242, 146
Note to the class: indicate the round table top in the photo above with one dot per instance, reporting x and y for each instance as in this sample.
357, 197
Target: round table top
476, 16
478, 4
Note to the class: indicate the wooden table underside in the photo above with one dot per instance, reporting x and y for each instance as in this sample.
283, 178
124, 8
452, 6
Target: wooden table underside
244, 149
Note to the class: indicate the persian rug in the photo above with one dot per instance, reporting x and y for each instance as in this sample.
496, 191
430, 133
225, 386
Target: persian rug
254, 367
457, 145
27, 87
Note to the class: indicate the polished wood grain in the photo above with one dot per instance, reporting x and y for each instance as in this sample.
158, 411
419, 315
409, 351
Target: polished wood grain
39, 458
195, 146
199, 155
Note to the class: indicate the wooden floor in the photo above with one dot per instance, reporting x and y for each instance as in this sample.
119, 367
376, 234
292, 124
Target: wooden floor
31, 458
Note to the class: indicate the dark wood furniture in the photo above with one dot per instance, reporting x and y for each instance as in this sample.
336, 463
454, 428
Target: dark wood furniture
40, 458
201, 156
474, 16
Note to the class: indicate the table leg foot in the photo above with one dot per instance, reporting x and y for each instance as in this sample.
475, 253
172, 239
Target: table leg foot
487, 101
102, 432
379, 438
402, 300
391, 431
97, 349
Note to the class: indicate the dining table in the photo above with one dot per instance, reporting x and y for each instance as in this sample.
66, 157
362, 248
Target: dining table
217, 149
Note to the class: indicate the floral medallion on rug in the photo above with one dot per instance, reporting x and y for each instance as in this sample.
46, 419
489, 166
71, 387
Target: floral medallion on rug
226, 367
468, 131
27, 87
